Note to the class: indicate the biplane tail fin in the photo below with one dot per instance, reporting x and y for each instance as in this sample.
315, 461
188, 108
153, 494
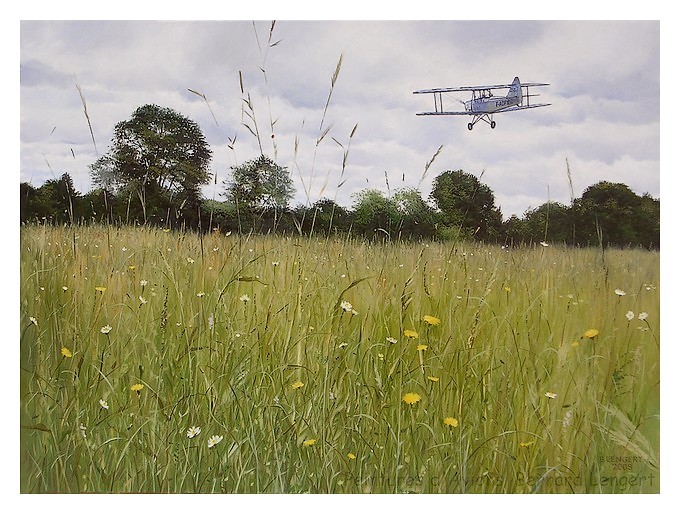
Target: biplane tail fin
515, 89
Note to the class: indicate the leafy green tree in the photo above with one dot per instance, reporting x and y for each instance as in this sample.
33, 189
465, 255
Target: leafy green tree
417, 218
160, 157
468, 204
29, 208
375, 214
260, 184
649, 222
513, 230
260, 189
219, 215
607, 214
324, 217
56, 200
99, 205
551, 221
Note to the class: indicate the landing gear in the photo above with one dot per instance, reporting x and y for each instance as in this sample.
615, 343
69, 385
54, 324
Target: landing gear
487, 118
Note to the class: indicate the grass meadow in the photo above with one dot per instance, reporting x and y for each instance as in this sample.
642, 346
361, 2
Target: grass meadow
168, 362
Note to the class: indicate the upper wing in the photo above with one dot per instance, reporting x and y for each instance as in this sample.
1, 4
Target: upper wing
476, 88
462, 88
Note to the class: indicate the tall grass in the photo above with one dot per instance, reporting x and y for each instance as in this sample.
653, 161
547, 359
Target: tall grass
222, 330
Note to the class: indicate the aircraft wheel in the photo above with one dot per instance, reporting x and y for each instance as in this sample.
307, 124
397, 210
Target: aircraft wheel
469, 126
493, 124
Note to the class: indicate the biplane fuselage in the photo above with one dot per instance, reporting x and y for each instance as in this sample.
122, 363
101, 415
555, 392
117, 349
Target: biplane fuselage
490, 104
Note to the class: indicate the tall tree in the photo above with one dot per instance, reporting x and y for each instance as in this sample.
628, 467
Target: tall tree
259, 184
160, 157
468, 204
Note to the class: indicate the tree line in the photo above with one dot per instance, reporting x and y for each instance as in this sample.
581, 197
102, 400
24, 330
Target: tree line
159, 159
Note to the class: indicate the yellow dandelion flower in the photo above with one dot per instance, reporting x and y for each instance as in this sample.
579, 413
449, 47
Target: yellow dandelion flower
421, 347
309, 442
527, 444
351, 456
507, 289
433, 379
100, 289
411, 398
297, 385
431, 320
136, 387
591, 333
411, 334
451, 422
66, 352
131, 267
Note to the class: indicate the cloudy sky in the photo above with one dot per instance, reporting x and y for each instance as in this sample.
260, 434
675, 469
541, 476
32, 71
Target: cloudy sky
604, 89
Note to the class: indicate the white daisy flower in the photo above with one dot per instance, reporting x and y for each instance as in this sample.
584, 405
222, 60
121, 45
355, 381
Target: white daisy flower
346, 306
213, 440
193, 432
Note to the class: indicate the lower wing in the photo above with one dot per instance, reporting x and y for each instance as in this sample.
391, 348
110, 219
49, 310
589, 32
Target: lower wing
470, 113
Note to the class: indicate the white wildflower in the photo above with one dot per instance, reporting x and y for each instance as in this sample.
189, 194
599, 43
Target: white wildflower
213, 440
193, 432
346, 306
